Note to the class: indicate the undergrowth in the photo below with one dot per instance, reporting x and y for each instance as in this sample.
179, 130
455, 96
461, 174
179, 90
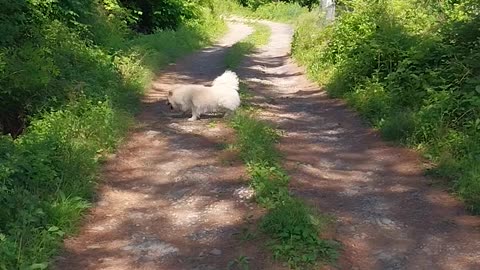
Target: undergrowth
279, 11
76, 78
294, 228
275, 11
412, 69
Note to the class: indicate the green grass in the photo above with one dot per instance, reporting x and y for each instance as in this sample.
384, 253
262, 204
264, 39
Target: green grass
259, 38
293, 227
280, 11
48, 174
241, 262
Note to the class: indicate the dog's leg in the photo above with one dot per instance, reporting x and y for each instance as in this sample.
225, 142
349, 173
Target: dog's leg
228, 114
195, 115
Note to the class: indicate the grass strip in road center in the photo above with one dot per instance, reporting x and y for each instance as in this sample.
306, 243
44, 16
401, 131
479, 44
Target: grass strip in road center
294, 227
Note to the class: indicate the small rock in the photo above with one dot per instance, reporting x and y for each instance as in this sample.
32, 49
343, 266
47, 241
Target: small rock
98, 228
216, 252
102, 203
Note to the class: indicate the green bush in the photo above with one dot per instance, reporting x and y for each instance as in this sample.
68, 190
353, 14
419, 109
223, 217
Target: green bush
412, 69
48, 174
150, 15
295, 235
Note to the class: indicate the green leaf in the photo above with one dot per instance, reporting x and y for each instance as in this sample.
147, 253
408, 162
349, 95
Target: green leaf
53, 229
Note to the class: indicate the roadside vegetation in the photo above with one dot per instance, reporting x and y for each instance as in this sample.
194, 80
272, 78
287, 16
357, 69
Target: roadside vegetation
293, 227
71, 76
268, 10
412, 69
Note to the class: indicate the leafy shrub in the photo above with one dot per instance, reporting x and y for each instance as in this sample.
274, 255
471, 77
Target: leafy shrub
295, 235
162, 14
48, 173
411, 68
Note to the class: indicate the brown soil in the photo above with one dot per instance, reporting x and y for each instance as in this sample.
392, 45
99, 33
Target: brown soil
172, 199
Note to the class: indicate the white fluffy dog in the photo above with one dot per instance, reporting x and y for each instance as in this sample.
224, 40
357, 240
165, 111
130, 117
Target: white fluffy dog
199, 99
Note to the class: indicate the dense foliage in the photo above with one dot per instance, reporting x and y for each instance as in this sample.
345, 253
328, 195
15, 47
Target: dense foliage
254, 4
149, 15
271, 10
412, 68
71, 74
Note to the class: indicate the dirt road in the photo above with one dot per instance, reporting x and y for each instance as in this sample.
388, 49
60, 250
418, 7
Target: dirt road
171, 199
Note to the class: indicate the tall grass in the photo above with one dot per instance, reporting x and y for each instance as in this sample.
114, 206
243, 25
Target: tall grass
280, 11
411, 68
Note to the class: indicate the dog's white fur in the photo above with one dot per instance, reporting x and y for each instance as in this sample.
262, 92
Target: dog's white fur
199, 99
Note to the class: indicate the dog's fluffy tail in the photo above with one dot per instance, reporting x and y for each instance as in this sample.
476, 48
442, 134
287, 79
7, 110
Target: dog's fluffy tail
227, 81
